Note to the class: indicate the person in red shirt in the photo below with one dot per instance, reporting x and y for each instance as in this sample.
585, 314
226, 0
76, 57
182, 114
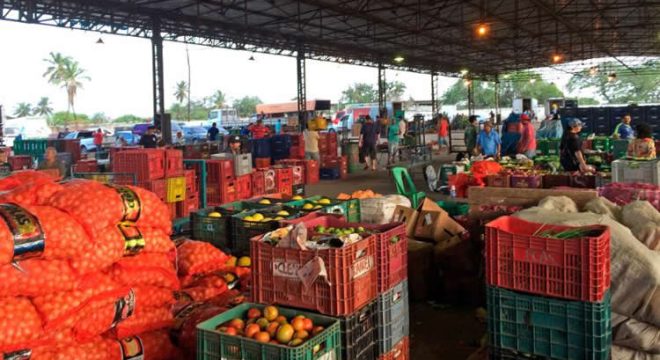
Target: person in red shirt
259, 131
527, 142
98, 139
443, 132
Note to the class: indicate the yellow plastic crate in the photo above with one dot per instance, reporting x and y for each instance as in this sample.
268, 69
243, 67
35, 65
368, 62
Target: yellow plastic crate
176, 189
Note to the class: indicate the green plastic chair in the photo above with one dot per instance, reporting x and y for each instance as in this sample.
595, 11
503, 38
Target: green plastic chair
406, 187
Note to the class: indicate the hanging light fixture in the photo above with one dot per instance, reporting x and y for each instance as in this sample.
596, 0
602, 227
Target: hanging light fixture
398, 59
100, 41
464, 71
557, 58
482, 30
251, 58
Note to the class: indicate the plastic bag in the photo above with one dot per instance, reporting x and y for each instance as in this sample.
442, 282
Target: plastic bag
197, 257
481, 169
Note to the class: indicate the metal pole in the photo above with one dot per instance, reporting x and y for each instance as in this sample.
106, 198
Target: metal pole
497, 100
434, 93
470, 97
302, 91
382, 88
160, 120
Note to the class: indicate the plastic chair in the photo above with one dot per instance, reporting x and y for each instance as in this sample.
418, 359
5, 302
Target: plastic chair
406, 187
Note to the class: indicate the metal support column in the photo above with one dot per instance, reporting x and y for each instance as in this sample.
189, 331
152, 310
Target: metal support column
302, 89
160, 120
434, 93
382, 89
470, 89
498, 116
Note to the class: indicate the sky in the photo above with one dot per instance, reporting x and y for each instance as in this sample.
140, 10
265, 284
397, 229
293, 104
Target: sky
120, 72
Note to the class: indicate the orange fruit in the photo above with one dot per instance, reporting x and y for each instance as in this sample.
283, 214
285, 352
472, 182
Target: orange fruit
301, 334
298, 323
254, 313
262, 337
239, 324
263, 323
284, 333
295, 342
317, 330
251, 330
271, 313
231, 331
308, 324
272, 328
281, 319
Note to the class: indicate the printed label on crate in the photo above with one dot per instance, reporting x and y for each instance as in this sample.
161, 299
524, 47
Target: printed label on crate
131, 202
314, 269
29, 237
133, 240
362, 266
282, 268
124, 307
131, 348
18, 355
537, 256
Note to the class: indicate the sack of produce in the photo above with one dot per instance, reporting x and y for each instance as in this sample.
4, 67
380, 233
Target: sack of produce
198, 257
20, 323
146, 269
33, 193
35, 277
144, 320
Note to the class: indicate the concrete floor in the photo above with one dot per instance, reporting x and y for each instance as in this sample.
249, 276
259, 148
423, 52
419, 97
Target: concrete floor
437, 332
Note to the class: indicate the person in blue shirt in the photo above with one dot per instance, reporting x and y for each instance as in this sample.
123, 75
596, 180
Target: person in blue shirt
213, 132
278, 126
489, 142
623, 130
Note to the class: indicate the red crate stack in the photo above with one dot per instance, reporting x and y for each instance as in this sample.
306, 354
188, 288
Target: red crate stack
173, 162
401, 351
20, 162
191, 181
72, 146
343, 167
184, 208
219, 170
311, 171
269, 180
283, 180
146, 164
328, 162
158, 187
258, 183
220, 182
297, 168
297, 150
244, 187
328, 144
262, 163
85, 166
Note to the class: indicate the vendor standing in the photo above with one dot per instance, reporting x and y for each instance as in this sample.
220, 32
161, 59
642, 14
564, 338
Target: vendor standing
311, 138
235, 145
98, 139
623, 130
489, 143
470, 135
527, 142
51, 162
259, 131
392, 141
570, 149
212, 133
149, 140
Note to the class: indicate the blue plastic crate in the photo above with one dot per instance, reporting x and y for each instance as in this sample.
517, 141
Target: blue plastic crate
329, 173
393, 320
548, 327
261, 148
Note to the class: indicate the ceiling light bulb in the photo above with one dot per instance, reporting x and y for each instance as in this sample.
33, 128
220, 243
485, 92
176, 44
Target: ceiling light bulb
464, 71
482, 30
399, 59
556, 58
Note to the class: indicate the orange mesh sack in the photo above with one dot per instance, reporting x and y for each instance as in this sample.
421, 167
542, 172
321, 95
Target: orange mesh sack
66, 309
148, 319
186, 318
146, 269
115, 242
39, 231
35, 277
20, 324
98, 206
18, 178
197, 257
33, 193
104, 314
97, 349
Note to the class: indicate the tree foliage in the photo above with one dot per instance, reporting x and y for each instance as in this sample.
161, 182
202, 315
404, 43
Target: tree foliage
247, 105
66, 72
23, 109
626, 88
218, 99
368, 93
129, 119
63, 118
100, 118
181, 91
43, 107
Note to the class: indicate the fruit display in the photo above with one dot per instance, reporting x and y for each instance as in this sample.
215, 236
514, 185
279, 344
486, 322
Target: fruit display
254, 331
359, 194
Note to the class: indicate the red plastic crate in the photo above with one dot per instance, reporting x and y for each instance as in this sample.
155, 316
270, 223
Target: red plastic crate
146, 164
262, 163
270, 184
184, 208
311, 172
527, 181
391, 254
283, 175
244, 187
191, 181
20, 162
518, 258
173, 162
218, 194
298, 174
218, 171
401, 351
556, 180
352, 276
85, 166
158, 187
298, 139
330, 161
258, 183
297, 152
498, 180
172, 209
343, 167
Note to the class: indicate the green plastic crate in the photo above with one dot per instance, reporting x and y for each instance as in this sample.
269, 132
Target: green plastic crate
548, 147
32, 147
214, 345
454, 208
542, 326
601, 143
213, 230
449, 169
620, 148
353, 210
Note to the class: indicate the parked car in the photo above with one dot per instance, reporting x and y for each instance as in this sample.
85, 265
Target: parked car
194, 133
86, 139
128, 136
141, 129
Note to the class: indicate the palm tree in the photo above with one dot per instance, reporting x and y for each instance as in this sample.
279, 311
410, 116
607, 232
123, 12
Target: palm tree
43, 107
181, 92
23, 109
218, 99
65, 72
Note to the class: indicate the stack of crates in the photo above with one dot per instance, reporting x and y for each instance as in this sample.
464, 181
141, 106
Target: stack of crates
280, 146
220, 182
283, 180
297, 150
548, 289
160, 171
298, 172
548, 147
260, 149
330, 160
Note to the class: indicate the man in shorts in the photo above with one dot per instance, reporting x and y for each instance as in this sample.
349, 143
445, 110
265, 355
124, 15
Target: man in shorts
369, 134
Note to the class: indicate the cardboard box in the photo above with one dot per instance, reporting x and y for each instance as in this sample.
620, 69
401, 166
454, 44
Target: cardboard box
433, 223
408, 216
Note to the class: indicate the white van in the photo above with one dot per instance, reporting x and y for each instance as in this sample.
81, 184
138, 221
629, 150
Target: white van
28, 127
